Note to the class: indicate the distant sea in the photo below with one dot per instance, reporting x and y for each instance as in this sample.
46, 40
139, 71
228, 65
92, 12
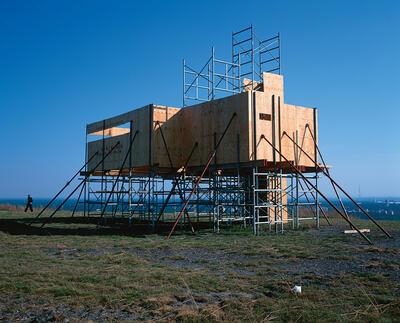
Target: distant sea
379, 208
39, 203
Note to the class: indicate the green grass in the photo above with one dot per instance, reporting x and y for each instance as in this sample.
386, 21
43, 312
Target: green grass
229, 276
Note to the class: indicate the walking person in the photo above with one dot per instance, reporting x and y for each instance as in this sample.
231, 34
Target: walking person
29, 203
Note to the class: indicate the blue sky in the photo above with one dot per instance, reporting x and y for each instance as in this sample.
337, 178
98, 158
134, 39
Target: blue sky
67, 63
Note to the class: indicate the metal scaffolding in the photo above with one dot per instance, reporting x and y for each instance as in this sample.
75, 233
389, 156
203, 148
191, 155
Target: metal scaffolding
216, 78
264, 198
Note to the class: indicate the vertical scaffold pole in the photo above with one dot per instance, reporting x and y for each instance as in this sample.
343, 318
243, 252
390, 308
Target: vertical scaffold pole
297, 171
212, 74
196, 184
255, 198
316, 167
184, 84
297, 184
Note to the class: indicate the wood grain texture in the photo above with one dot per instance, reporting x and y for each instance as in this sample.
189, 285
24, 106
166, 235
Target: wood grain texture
205, 123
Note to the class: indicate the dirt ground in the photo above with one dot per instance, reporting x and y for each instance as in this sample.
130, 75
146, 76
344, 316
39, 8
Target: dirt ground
73, 272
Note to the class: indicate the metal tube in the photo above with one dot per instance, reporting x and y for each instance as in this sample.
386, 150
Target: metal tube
77, 201
171, 165
184, 85
322, 195
173, 187
86, 176
280, 66
65, 186
119, 174
201, 176
345, 193
212, 74
241, 31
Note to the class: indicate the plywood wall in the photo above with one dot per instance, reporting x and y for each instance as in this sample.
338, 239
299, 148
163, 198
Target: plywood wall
205, 123
294, 120
167, 121
287, 119
148, 148
269, 102
140, 148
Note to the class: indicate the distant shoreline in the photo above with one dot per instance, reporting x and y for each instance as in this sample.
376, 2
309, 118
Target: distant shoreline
380, 208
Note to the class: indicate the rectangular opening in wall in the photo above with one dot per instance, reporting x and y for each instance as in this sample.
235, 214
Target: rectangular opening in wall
265, 116
119, 130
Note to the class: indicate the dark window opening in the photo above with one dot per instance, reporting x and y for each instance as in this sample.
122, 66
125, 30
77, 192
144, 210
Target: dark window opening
265, 116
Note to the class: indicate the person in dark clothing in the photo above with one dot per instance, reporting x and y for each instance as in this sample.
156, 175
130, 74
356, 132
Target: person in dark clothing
29, 203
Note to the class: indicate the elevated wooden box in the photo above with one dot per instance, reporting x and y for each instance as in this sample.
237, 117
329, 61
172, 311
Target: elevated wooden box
259, 112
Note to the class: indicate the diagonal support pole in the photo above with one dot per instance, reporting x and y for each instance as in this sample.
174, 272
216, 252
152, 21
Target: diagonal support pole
176, 182
202, 174
327, 170
77, 201
317, 190
119, 174
345, 193
80, 184
64, 187
173, 186
319, 206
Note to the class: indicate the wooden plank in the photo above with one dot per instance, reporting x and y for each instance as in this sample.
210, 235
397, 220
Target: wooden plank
355, 231
111, 132
113, 121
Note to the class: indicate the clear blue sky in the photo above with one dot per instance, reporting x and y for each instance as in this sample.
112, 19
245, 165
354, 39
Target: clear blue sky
67, 63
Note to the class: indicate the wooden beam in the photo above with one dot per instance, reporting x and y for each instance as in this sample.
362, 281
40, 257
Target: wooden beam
355, 231
111, 132
112, 122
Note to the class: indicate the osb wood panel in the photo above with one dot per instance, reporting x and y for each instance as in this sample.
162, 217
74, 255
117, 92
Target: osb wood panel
202, 121
295, 118
140, 147
169, 121
198, 123
273, 87
142, 119
111, 132
112, 122
114, 160
273, 83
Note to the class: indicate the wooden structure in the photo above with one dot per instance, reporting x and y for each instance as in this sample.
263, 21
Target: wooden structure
166, 135
248, 157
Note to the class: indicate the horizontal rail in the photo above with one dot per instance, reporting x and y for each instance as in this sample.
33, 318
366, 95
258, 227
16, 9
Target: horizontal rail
197, 86
273, 70
241, 42
268, 50
270, 60
269, 39
314, 187
241, 31
242, 53
225, 62
197, 99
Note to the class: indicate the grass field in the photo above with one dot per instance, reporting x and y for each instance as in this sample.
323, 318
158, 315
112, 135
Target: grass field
74, 272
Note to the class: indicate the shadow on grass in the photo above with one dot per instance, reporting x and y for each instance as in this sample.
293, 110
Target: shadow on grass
86, 226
